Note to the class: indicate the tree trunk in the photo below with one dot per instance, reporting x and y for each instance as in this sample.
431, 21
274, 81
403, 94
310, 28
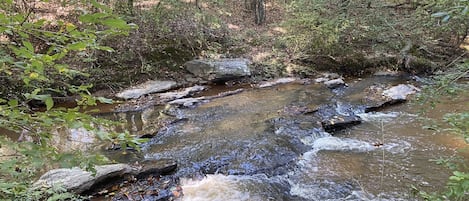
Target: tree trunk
259, 11
258, 7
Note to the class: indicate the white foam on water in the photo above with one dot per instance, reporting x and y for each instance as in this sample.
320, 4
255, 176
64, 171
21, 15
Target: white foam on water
331, 143
398, 147
341, 144
379, 116
316, 192
215, 188
309, 140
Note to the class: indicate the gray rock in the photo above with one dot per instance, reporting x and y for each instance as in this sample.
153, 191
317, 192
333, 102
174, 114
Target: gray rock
338, 116
400, 92
337, 123
188, 102
162, 166
321, 80
391, 96
148, 87
332, 84
326, 77
277, 82
169, 96
79, 181
219, 70
330, 75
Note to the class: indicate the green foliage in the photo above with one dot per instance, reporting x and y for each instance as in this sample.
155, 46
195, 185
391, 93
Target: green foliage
34, 67
315, 27
169, 34
459, 123
389, 34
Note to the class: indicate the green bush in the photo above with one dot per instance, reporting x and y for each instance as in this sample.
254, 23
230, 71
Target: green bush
391, 34
169, 34
34, 67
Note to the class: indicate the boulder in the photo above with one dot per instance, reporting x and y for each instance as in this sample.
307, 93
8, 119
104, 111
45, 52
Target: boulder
219, 70
400, 92
335, 83
391, 96
148, 87
326, 77
79, 181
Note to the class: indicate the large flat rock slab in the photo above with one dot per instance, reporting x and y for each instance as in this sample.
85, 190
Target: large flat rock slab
390, 96
80, 181
219, 70
152, 86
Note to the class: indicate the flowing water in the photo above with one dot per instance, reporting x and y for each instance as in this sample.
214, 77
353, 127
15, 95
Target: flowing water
262, 145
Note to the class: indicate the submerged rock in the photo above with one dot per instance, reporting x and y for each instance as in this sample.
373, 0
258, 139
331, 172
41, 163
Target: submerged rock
219, 70
338, 116
337, 123
80, 181
148, 87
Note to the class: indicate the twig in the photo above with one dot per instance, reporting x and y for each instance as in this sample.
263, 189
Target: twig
382, 159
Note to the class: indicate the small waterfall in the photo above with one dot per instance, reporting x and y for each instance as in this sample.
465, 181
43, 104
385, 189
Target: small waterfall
214, 187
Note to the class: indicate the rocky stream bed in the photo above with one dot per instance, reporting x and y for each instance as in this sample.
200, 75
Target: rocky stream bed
287, 139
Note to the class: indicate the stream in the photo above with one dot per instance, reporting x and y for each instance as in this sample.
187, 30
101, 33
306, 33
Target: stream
268, 144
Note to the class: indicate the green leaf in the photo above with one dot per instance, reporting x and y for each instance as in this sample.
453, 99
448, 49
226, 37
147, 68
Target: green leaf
93, 18
49, 103
104, 100
13, 103
79, 46
439, 14
101, 6
102, 135
116, 23
28, 45
105, 48
70, 27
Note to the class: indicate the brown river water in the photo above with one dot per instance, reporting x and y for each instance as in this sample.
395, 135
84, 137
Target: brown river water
255, 146
258, 145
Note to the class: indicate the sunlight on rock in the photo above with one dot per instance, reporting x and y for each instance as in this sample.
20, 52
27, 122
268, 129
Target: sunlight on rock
74, 139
